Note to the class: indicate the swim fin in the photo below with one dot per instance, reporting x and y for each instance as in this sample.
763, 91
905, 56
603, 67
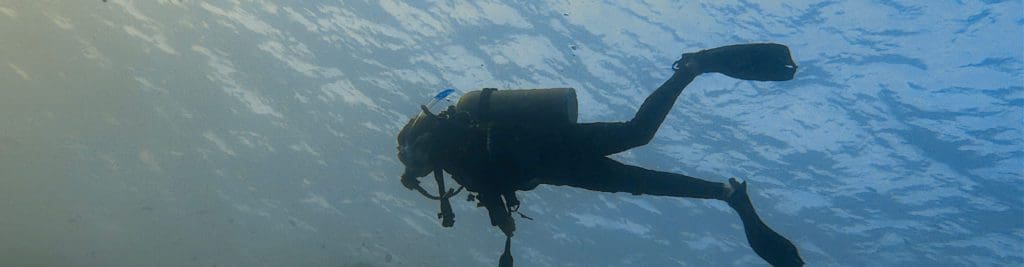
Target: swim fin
757, 62
770, 245
506, 257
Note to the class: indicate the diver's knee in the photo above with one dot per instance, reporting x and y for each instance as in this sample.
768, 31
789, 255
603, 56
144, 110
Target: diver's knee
640, 135
638, 141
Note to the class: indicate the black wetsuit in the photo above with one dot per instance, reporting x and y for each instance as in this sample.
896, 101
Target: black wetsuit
496, 160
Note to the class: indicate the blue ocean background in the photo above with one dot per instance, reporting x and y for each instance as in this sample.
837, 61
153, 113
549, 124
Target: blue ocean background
262, 133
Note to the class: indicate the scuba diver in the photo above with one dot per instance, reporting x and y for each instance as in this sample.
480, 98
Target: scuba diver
495, 143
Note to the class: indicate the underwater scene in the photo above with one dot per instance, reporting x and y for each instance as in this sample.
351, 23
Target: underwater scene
312, 133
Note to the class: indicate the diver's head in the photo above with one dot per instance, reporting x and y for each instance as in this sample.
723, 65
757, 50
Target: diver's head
417, 144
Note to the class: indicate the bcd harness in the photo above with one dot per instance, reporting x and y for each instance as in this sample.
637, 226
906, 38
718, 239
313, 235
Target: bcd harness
446, 215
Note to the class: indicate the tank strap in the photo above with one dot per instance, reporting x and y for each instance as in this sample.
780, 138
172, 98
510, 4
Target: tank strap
484, 105
483, 112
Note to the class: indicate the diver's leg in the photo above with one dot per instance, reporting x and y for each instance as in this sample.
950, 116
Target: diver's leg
606, 138
607, 175
756, 62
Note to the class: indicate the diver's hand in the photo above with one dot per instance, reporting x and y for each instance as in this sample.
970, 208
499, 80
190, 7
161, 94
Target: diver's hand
410, 182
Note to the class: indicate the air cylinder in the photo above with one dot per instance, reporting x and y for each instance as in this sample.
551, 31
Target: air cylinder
551, 107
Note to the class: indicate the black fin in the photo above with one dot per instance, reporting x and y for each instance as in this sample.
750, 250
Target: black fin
770, 245
506, 257
757, 62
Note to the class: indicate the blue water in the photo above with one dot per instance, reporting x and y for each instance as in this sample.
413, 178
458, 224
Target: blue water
256, 133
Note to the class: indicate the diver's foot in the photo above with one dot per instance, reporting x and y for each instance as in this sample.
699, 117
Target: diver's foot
727, 190
688, 63
704, 61
737, 194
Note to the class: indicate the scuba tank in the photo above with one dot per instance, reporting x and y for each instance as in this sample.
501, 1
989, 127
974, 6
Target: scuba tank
520, 125
552, 107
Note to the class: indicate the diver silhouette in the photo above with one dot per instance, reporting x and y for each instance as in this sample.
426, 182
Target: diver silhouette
494, 143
